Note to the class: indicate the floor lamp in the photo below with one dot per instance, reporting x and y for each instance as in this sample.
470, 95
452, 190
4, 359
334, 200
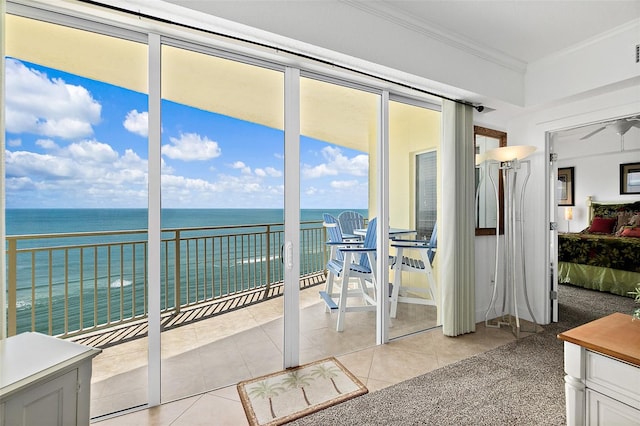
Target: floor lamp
510, 161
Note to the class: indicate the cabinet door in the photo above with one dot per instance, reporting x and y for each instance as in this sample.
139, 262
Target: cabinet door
50, 403
602, 410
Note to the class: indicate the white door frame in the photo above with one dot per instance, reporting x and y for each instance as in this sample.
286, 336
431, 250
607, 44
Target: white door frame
291, 250
551, 246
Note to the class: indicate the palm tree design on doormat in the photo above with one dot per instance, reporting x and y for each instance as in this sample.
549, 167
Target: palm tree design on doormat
325, 371
295, 380
264, 389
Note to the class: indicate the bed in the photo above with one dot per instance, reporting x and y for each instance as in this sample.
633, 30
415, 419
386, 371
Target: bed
606, 255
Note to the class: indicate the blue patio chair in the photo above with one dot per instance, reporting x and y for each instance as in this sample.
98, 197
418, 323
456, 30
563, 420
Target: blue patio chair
350, 221
334, 235
401, 263
358, 261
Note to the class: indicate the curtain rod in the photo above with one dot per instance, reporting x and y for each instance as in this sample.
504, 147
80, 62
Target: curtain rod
478, 108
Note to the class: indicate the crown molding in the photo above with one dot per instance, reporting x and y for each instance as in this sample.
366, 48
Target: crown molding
428, 29
629, 26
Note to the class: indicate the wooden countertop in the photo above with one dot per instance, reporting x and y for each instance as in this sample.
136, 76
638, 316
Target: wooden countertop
615, 335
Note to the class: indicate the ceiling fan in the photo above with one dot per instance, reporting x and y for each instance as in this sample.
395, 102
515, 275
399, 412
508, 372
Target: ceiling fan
620, 126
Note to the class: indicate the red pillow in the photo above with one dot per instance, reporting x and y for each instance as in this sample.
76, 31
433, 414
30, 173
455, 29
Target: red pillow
631, 232
600, 225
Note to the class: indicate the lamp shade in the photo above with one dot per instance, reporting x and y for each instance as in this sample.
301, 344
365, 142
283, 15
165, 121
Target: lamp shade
509, 153
568, 213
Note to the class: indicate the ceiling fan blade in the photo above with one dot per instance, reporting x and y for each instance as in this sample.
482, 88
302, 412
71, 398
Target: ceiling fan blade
593, 133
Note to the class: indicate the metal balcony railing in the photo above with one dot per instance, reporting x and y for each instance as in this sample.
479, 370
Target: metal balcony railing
75, 283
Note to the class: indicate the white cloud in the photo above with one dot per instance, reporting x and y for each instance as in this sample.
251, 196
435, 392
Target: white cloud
137, 122
47, 144
243, 167
80, 169
50, 107
343, 184
14, 142
273, 172
191, 147
320, 170
91, 152
268, 172
337, 163
311, 191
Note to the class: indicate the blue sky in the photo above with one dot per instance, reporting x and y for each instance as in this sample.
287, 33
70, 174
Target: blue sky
73, 142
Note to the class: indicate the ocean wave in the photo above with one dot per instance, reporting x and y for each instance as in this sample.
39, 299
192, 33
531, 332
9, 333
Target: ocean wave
251, 260
23, 304
118, 283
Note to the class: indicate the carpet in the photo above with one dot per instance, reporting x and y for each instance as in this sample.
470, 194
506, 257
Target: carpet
286, 395
520, 383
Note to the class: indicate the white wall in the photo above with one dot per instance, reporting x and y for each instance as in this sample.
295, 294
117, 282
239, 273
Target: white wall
381, 38
595, 63
597, 169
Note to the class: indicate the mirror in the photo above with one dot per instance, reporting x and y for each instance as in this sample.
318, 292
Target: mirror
486, 213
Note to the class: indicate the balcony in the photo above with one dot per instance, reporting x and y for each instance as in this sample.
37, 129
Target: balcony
83, 285
221, 315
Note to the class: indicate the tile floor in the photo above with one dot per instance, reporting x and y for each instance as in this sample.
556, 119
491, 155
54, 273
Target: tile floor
247, 343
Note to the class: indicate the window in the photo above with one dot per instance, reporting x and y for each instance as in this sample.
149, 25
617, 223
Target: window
426, 193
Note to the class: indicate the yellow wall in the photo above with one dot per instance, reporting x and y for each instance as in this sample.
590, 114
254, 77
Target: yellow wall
99, 57
412, 130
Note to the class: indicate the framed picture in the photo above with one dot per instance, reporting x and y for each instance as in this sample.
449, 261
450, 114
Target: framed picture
630, 178
566, 188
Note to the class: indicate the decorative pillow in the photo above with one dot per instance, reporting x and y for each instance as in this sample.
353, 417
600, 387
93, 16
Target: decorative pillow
635, 220
623, 220
631, 232
601, 225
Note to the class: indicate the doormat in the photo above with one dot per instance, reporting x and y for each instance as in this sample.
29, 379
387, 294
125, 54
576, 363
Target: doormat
284, 396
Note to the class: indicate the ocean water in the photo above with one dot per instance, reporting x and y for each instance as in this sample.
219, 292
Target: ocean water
49, 221
91, 280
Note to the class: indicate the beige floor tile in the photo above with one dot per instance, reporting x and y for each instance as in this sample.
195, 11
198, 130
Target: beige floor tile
211, 409
359, 362
210, 357
375, 385
164, 414
396, 365
229, 392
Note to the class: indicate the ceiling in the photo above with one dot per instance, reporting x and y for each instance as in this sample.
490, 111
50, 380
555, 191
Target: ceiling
524, 30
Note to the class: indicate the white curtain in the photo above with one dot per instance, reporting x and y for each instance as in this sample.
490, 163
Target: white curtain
456, 228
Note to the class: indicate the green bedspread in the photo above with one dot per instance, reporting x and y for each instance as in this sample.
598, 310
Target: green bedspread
607, 251
599, 262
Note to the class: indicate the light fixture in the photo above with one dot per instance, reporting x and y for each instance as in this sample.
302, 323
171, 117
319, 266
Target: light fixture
568, 216
510, 160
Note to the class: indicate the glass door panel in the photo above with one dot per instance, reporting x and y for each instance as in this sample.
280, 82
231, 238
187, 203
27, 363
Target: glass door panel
222, 221
414, 139
339, 135
76, 164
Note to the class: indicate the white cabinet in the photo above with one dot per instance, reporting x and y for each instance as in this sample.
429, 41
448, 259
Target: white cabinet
44, 381
602, 365
602, 410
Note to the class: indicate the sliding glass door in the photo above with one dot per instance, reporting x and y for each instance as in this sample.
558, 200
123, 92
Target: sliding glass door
339, 134
76, 196
414, 140
222, 219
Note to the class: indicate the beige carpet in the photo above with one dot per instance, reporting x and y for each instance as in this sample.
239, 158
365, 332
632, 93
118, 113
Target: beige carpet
281, 397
